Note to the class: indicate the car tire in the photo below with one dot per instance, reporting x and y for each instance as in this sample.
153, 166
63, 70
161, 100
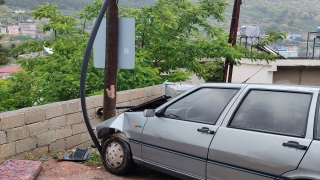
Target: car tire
116, 156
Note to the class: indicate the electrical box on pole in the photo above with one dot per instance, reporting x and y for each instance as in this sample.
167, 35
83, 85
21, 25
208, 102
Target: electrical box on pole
126, 44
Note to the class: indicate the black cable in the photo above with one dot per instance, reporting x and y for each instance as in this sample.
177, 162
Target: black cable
83, 77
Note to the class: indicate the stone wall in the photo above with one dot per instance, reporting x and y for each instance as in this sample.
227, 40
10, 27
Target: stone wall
58, 126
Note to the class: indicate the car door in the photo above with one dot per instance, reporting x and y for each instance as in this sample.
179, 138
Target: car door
177, 139
264, 135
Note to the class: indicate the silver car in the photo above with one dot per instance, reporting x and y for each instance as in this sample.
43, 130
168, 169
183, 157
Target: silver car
220, 131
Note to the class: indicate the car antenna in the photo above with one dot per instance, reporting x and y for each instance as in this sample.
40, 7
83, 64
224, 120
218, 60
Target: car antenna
254, 74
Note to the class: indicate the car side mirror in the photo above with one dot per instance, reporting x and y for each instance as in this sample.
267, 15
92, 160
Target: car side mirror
149, 113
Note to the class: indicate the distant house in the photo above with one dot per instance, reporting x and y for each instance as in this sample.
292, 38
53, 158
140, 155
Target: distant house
317, 53
88, 30
13, 29
3, 29
264, 36
19, 11
288, 54
293, 36
28, 27
292, 47
6, 71
282, 48
289, 51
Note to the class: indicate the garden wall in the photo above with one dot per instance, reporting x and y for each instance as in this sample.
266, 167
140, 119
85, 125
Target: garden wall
58, 126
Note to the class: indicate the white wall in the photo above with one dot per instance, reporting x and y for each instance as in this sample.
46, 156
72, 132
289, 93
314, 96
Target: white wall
264, 72
305, 72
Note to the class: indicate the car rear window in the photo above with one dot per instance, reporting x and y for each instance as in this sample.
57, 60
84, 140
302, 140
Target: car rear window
204, 105
275, 112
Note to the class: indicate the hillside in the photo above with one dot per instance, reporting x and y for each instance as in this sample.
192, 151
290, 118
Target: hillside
74, 4
297, 16
32, 4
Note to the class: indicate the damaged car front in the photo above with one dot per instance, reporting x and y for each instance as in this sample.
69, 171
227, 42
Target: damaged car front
120, 136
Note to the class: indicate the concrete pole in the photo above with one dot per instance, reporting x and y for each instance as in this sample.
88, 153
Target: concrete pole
111, 63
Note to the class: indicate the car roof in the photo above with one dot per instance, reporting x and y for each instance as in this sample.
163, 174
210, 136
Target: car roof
276, 86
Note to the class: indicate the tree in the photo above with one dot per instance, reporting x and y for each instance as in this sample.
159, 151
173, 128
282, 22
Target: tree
2, 2
213, 71
273, 36
171, 38
177, 35
52, 77
4, 52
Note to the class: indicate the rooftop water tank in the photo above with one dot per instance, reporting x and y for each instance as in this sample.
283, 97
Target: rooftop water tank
318, 34
250, 31
249, 34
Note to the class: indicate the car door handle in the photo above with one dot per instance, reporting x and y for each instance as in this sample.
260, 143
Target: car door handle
205, 130
295, 144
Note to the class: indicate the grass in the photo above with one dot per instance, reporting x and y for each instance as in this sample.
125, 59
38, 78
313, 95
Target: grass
95, 159
30, 156
52, 154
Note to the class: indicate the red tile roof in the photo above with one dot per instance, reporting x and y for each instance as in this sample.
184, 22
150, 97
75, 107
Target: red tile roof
9, 69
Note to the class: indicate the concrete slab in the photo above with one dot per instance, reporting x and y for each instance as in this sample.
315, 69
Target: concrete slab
20, 169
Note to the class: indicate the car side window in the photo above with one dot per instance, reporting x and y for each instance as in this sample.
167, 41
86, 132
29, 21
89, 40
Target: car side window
274, 112
204, 105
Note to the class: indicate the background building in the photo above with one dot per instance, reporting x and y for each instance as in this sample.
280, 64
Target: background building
5, 72
300, 72
3, 29
288, 54
28, 27
13, 29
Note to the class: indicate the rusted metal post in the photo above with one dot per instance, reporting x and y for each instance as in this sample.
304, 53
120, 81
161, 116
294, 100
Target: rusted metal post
111, 63
307, 53
314, 44
232, 38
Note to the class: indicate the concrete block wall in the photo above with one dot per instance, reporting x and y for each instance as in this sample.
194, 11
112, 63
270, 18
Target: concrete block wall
58, 126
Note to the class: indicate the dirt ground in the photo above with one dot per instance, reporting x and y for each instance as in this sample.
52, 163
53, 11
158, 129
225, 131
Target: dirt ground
65, 170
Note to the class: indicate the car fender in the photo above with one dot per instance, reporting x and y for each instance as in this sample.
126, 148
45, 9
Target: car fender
129, 123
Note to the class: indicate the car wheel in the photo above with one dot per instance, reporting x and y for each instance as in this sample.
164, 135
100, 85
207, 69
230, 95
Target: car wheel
116, 156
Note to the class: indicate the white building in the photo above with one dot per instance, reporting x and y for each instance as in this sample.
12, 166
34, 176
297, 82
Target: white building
19, 11
301, 72
289, 53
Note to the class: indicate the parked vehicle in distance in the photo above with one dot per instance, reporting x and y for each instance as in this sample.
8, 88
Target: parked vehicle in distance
220, 131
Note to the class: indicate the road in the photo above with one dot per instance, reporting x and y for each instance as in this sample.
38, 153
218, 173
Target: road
52, 170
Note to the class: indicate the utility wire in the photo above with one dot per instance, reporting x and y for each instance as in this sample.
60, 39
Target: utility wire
254, 74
